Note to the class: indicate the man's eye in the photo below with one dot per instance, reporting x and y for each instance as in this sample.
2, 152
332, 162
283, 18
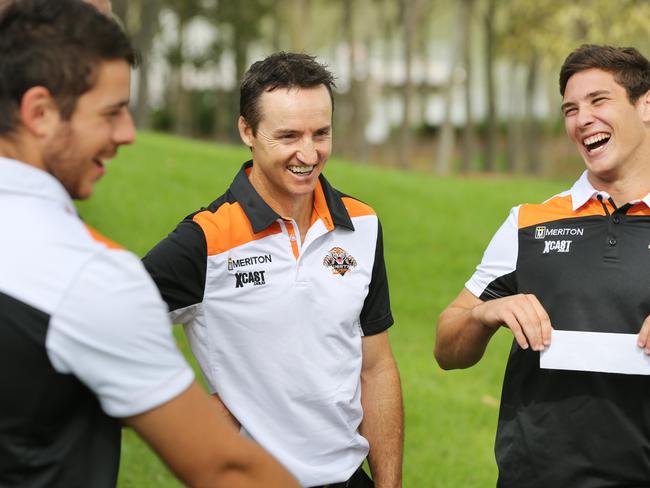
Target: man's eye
569, 111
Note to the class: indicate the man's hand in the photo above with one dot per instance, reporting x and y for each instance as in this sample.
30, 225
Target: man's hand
644, 336
523, 315
466, 326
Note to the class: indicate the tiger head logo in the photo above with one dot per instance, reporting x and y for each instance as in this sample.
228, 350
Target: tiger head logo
339, 260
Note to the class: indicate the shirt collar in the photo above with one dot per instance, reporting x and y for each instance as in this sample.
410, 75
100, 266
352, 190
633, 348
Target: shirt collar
582, 191
20, 178
327, 203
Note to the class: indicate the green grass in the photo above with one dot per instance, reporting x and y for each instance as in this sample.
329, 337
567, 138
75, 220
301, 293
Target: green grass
435, 231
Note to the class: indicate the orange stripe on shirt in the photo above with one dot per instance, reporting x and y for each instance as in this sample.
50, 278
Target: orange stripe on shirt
102, 239
229, 227
356, 208
557, 208
639, 210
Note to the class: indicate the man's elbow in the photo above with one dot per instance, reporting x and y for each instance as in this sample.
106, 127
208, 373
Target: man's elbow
442, 357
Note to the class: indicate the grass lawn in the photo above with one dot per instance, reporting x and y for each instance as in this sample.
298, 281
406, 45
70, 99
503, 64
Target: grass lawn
435, 231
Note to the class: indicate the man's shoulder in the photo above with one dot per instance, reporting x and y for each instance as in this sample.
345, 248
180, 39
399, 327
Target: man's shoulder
225, 224
110, 285
557, 208
356, 207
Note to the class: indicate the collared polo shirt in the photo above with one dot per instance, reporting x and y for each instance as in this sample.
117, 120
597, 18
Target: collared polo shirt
276, 323
588, 263
84, 338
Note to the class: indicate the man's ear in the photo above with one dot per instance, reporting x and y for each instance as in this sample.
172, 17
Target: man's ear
644, 101
245, 132
39, 113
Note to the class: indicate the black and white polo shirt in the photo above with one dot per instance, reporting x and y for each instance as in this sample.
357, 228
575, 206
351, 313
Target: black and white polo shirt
84, 339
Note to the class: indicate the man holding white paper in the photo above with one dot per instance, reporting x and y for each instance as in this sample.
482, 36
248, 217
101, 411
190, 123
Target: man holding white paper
573, 270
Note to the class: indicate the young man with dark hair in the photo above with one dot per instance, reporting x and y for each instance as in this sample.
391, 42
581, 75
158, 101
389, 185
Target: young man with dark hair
575, 265
85, 343
282, 287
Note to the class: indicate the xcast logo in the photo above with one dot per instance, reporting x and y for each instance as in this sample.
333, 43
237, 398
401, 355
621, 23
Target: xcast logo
255, 278
556, 246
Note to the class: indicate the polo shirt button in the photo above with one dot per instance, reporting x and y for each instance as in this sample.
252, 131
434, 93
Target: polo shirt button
616, 219
292, 238
612, 241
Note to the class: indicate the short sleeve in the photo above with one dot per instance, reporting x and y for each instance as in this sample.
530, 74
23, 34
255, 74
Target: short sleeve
496, 277
111, 331
178, 266
376, 315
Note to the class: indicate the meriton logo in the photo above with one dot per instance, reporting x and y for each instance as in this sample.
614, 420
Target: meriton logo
542, 232
239, 263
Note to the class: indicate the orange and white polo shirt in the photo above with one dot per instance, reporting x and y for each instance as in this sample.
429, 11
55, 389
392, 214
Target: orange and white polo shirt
276, 324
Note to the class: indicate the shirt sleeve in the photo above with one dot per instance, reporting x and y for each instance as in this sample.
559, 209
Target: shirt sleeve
376, 315
178, 265
112, 332
496, 276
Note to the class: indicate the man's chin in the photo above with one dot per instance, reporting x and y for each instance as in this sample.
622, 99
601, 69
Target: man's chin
82, 193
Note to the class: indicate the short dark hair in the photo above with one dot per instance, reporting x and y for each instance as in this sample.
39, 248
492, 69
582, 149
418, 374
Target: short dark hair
55, 44
280, 70
629, 67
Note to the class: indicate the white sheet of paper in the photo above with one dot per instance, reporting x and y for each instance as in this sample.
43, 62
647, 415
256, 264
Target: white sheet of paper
595, 351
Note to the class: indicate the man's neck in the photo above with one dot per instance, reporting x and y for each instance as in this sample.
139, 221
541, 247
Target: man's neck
623, 189
15, 147
300, 211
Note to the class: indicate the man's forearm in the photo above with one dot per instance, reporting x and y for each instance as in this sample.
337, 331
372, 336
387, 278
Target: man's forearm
383, 423
460, 339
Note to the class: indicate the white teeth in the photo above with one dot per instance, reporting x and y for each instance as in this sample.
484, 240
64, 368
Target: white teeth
301, 170
595, 138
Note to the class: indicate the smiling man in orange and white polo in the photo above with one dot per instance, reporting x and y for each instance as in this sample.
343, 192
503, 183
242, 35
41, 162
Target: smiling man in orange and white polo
282, 287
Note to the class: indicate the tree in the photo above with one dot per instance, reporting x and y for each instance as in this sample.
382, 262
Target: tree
468, 147
446, 142
491, 124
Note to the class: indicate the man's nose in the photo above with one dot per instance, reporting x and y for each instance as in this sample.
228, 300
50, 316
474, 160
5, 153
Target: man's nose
585, 117
307, 153
124, 131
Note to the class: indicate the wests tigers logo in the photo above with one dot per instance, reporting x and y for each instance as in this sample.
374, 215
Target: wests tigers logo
339, 260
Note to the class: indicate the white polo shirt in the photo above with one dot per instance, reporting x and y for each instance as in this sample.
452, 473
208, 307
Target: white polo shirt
277, 324
84, 337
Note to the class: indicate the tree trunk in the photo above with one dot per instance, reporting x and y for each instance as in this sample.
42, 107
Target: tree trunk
468, 146
144, 42
532, 134
446, 141
178, 94
410, 10
491, 117
515, 157
356, 99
